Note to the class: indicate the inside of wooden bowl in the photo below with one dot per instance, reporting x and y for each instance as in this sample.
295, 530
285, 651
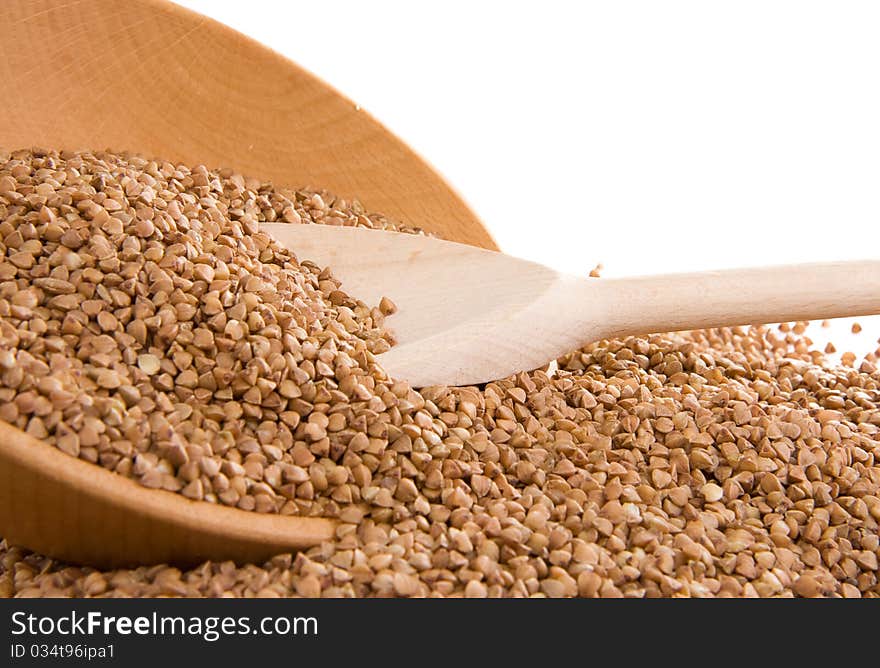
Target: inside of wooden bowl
150, 77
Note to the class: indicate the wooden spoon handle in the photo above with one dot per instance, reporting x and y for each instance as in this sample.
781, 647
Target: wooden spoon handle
677, 302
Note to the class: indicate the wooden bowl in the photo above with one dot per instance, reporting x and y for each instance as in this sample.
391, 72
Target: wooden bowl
150, 77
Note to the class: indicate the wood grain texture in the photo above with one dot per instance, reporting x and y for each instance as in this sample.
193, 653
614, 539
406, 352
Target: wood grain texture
79, 512
153, 78
467, 316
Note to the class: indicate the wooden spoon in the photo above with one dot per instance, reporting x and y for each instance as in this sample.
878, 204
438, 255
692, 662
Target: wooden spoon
469, 316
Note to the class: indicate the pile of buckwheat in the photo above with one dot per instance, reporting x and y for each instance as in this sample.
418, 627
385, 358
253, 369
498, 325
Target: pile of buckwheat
147, 326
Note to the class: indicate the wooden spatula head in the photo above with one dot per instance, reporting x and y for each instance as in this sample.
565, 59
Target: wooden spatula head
465, 315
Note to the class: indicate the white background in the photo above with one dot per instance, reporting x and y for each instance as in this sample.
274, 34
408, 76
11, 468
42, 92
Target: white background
648, 136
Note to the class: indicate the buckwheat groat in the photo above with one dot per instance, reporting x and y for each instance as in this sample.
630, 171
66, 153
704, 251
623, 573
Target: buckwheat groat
730, 462
149, 327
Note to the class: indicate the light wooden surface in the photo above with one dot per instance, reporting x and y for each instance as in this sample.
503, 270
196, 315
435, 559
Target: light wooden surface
79, 512
151, 77
468, 316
